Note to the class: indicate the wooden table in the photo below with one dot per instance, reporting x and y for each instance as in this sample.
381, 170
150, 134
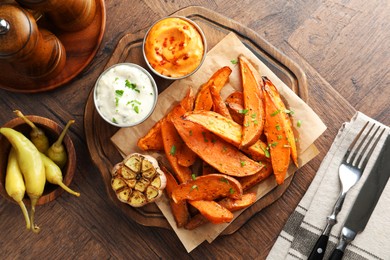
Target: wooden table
343, 49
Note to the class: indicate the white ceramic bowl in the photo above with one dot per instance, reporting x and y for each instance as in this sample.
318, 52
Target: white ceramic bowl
125, 95
204, 52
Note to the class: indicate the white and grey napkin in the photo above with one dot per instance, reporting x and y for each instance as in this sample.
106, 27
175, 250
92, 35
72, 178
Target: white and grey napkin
306, 223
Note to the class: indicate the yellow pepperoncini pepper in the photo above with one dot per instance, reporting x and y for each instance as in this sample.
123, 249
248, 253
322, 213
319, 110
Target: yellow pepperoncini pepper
31, 166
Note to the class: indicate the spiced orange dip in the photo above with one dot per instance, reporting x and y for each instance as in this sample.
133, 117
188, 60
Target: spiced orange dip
174, 47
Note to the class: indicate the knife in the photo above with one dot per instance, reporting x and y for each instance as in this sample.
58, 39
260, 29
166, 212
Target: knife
365, 202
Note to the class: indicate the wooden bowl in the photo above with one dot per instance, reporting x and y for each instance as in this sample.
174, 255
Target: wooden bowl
52, 130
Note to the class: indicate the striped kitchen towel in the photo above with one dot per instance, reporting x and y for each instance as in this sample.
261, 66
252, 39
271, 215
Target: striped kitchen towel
306, 223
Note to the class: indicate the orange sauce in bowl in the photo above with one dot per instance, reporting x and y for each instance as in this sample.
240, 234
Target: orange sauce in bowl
174, 47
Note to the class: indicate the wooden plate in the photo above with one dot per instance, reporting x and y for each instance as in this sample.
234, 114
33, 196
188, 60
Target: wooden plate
215, 27
80, 47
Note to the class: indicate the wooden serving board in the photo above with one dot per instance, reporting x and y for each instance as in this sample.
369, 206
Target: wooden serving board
80, 46
129, 49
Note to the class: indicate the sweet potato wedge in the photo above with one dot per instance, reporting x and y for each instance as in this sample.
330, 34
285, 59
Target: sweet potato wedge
277, 139
208, 187
235, 98
230, 204
203, 100
235, 104
218, 153
196, 221
253, 104
152, 140
218, 105
250, 181
228, 130
188, 101
172, 141
274, 94
180, 209
246, 200
185, 156
214, 212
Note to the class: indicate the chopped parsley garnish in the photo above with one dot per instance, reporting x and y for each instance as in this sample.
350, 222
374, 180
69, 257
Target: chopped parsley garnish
243, 111
173, 150
234, 61
266, 153
114, 120
132, 86
288, 111
194, 187
134, 104
299, 123
278, 127
242, 163
193, 176
231, 191
119, 92
224, 180
275, 112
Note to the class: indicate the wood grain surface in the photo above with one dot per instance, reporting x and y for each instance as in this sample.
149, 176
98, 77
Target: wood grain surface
340, 45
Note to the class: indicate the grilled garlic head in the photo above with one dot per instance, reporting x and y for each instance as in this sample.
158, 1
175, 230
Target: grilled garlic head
138, 180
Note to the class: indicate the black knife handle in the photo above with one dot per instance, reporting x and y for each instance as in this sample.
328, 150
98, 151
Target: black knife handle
319, 249
337, 254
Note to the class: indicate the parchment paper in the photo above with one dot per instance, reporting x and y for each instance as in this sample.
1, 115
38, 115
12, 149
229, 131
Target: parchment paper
221, 55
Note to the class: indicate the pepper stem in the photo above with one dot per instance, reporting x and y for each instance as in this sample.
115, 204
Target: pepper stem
62, 135
34, 227
28, 121
67, 189
25, 214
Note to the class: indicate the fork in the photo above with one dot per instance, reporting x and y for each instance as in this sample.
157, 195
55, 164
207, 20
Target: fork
350, 171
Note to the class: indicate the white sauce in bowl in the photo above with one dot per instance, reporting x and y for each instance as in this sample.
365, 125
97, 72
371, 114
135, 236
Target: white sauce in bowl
125, 94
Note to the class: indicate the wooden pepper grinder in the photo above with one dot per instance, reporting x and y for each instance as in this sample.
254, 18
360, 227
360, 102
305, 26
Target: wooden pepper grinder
67, 15
35, 53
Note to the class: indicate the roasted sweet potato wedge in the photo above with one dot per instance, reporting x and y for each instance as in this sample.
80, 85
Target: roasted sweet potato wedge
218, 105
235, 105
185, 156
235, 98
203, 100
253, 104
275, 96
188, 101
230, 204
208, 187
172, 141
250, 181
180, 209
214, 212
220, 154
277, 139
228, 130
246, 200
152, 140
